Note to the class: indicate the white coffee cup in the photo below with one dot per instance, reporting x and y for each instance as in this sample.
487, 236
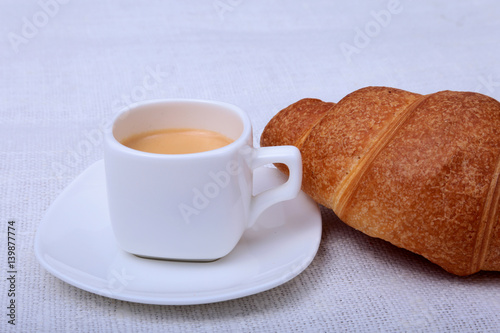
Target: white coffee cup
189, 206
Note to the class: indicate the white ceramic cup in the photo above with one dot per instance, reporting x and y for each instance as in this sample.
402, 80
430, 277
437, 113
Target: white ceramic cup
189, 206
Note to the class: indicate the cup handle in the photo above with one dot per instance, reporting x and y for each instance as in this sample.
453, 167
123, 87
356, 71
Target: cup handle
288, 155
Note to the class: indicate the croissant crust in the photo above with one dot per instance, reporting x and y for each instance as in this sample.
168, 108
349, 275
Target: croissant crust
419, 171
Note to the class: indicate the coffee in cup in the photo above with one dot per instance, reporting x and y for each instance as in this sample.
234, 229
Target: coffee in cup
188, 206
176, 141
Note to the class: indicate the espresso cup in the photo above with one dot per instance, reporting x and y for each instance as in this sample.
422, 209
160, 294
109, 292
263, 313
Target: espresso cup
193, 206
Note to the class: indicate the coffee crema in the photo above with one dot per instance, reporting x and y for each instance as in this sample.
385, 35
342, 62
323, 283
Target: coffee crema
176, 141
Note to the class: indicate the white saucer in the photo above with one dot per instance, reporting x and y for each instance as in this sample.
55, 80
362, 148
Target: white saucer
75, 243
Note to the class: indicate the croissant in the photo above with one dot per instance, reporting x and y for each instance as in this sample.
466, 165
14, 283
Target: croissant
419, 171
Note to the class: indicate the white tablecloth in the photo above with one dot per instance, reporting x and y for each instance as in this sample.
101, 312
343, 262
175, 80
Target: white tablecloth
67, 66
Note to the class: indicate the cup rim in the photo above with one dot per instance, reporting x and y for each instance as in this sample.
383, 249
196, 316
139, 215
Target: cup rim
247, 129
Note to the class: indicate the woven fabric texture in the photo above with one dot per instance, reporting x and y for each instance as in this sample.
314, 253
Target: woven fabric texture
66, 67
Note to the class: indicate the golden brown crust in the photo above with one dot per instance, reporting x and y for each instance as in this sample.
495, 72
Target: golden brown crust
345, 136
418, 171
288, 126
491, 256
292, 124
